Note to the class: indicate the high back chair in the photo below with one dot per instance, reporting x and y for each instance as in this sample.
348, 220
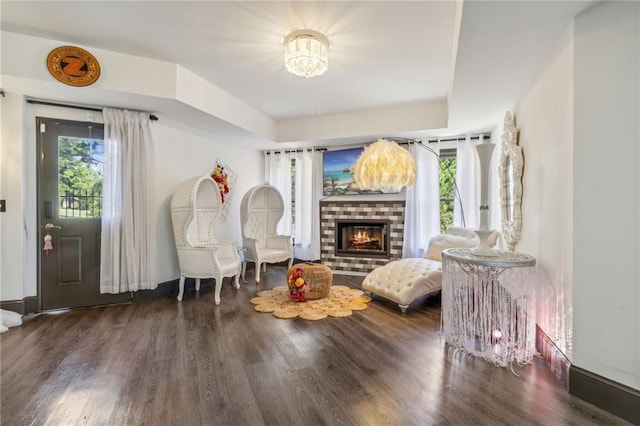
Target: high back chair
195, 207
261, 209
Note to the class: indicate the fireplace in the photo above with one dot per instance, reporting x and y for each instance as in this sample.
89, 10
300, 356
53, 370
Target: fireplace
362, 238
332, 212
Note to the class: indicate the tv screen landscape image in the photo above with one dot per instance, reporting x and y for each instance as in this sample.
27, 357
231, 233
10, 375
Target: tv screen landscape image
337, 178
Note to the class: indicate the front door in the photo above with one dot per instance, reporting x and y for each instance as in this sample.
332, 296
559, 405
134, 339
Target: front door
70, 206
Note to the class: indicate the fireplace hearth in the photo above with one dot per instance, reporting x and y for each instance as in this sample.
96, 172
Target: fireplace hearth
362, 238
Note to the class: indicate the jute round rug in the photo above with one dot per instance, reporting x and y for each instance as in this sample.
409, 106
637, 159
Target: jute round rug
341, 301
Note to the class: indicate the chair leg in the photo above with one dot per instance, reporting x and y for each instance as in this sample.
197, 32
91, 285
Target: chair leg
258, 266
181, 288
237, 285
217, 290
403, 308
264, 267
290, 263
197, 284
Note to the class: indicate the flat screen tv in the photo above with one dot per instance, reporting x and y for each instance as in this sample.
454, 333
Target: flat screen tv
337, 178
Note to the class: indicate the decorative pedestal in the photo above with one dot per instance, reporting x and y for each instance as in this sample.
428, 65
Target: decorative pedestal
318, 278
488, 305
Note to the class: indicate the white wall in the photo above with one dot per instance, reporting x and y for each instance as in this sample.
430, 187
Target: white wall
607, 203
419, 116
180, 152
580, 133
544, 116
12, 189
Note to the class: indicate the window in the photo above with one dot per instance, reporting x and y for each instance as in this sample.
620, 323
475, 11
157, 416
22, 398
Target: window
447, 187
80, 177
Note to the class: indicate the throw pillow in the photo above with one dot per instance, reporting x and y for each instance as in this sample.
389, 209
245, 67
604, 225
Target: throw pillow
462, 232
443, 242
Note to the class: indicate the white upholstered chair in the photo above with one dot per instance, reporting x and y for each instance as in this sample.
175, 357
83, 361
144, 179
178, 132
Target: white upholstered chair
195, 207
261, 209
405, 280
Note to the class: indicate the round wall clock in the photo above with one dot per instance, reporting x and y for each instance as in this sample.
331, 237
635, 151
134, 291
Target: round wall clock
73, 66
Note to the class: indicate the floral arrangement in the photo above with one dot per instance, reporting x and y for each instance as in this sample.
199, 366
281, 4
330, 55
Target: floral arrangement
297, 286
222, 179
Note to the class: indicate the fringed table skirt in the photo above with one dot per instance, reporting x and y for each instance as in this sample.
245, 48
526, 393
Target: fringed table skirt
489, 305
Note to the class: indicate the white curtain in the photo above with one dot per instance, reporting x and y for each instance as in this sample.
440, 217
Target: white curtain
278, 173
308, 190
466, 208
127, 251
422, 208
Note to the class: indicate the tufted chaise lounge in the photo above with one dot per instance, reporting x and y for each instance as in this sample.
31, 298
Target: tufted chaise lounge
405, 280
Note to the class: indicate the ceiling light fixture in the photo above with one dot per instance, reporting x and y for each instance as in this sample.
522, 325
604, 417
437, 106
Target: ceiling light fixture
306, 53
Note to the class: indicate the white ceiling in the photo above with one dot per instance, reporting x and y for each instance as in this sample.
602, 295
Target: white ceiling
383, 53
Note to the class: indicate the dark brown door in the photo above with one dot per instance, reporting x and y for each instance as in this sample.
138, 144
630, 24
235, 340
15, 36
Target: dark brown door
70, 206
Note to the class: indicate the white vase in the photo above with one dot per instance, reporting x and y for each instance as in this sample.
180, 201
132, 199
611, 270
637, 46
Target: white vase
485, 150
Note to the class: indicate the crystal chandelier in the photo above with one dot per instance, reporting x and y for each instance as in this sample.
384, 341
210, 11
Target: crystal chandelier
306, 53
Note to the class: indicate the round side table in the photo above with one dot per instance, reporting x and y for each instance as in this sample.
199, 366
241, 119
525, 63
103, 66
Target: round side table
489, 305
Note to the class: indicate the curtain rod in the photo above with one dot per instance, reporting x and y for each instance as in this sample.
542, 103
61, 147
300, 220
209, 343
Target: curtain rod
287, 151
152, 117
407, 141
484, 137
399, 141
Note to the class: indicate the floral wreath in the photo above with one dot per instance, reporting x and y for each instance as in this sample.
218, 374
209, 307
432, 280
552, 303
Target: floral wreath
297, 286
222, 179
225, 178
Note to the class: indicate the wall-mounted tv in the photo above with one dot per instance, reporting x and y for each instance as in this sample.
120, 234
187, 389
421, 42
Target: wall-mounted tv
337, 178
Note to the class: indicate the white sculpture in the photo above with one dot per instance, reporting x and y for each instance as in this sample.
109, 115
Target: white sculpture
484, 150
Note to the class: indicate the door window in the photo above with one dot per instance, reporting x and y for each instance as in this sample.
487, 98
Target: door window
80, 164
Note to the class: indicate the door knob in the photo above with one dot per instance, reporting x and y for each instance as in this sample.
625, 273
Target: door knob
49, 226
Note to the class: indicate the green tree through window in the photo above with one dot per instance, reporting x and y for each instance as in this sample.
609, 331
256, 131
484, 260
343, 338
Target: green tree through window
447, 176
80, 163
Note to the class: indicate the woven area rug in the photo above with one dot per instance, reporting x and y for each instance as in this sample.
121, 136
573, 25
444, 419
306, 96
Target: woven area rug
341, 302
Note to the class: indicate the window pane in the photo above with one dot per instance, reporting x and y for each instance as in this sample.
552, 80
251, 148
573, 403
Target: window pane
80, 163
447, 188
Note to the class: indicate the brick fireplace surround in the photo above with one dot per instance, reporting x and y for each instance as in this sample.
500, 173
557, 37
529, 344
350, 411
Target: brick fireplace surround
331, 211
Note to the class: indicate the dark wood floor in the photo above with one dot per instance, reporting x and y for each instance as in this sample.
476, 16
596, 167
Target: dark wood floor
164, 362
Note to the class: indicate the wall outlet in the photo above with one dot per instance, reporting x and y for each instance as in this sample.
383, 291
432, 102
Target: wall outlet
3, 206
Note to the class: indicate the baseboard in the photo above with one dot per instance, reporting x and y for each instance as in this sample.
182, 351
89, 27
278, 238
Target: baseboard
30, 305
351, 273
553, 356
165, 289
604, 393
296, 260
25, 306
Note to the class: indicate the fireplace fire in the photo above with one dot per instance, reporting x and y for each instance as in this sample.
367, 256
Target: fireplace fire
362, 238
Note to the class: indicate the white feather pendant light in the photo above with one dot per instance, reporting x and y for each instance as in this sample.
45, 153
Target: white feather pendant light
384, 165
